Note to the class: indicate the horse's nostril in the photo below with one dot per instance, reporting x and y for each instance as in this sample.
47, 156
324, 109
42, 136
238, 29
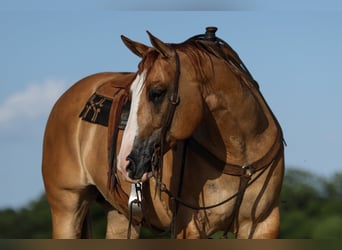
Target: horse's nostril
131, 167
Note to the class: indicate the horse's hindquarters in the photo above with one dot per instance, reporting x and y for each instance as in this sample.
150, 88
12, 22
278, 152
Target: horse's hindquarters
75, 158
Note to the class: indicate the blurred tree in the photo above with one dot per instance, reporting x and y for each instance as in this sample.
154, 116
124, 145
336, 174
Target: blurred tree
310, 206
329, 227
34, 221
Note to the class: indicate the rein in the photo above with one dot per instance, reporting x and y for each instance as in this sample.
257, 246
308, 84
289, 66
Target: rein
245, 174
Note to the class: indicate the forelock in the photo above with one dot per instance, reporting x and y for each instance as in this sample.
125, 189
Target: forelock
147, 61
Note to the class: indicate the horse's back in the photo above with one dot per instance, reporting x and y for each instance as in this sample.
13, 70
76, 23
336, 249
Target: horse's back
66, 135
77, 95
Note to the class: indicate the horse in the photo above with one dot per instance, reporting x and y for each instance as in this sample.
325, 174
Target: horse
201, 143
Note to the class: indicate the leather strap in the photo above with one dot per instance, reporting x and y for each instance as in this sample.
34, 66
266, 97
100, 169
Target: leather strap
237, 170
173, 102
120, 98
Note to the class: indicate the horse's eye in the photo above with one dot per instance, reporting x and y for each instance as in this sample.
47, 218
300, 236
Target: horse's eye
156, 95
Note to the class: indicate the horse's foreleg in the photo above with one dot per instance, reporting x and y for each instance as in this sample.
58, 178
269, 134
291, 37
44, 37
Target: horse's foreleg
117, 226
267, 228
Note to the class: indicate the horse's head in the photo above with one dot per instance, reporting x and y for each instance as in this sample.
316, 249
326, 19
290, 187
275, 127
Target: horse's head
166, 106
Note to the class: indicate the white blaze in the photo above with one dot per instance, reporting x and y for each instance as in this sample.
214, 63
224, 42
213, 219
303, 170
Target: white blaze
132, 124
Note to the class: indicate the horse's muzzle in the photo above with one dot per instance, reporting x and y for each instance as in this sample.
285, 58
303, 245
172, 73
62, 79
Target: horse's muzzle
132, 168
139, 168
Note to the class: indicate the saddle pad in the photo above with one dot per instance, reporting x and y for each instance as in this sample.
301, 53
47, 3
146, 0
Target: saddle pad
97, 111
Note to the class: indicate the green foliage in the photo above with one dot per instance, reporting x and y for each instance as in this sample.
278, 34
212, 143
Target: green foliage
311, 208
99, 221
34, 221
329, 227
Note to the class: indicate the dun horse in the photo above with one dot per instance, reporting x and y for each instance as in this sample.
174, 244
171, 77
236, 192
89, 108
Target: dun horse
201, 152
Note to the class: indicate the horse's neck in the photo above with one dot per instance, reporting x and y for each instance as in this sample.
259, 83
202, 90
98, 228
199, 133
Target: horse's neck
238, 126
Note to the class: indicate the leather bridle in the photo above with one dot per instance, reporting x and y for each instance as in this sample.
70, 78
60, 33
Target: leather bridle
160, 149
245, 173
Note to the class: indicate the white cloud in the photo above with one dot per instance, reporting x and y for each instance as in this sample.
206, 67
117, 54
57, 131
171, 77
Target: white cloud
34, 101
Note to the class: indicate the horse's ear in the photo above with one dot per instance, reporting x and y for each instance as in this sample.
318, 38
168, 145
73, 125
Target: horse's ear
164, 49
137, 48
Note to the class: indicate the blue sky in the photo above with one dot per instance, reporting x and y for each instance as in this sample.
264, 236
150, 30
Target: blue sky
293, 50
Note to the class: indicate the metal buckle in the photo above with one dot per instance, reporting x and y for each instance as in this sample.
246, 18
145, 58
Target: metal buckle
174, 99
247, 171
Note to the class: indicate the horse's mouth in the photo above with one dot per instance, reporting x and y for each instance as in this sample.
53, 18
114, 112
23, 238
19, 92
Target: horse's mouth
145, 177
